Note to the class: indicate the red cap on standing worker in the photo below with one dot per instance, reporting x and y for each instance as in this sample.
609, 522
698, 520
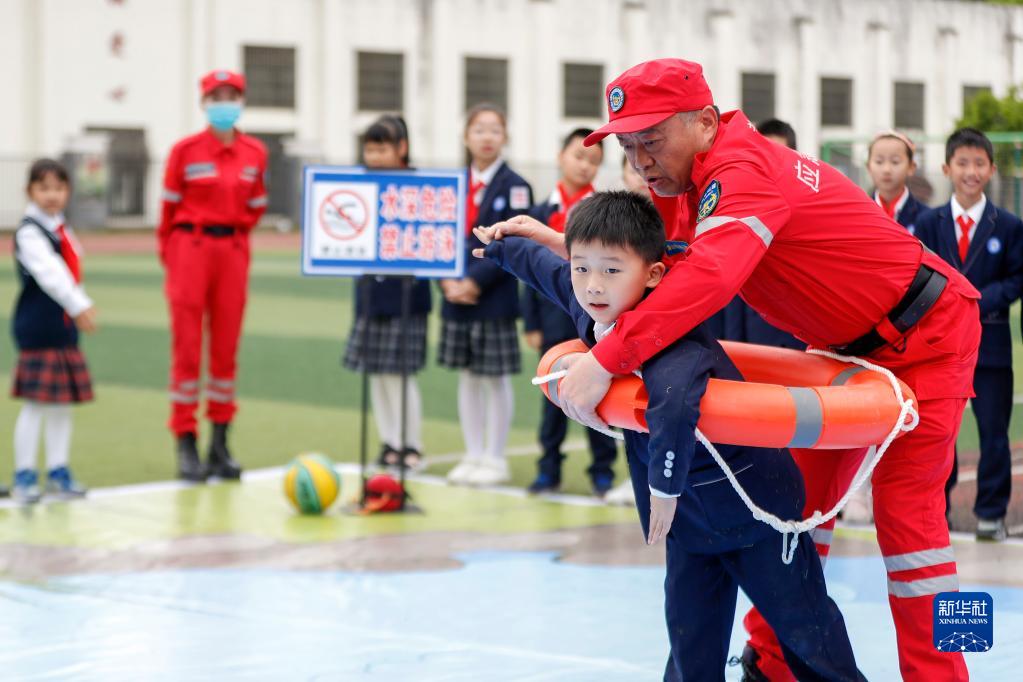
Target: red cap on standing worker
650, 92
214, 79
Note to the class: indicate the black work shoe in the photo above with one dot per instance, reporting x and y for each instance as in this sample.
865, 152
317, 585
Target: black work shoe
220, 463
190, 468
748, 661
4, 492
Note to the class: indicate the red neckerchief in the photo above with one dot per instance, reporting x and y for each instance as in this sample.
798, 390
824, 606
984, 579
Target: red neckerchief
557, 220
70, 256
889, 208
472, 209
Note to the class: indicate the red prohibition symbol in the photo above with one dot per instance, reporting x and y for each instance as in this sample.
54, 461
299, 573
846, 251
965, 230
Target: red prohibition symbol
343, 215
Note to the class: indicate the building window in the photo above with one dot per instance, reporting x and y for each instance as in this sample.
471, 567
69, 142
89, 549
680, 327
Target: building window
909, 105
280, 191
126, 173
971, 91
758, 96
584, 90
270, 76
381, 81
836, 101
486, 80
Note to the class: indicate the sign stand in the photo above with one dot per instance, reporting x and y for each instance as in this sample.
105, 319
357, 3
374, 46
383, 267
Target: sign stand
405, 224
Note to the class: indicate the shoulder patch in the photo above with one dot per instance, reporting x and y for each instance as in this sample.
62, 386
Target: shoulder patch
674, 248
709, 200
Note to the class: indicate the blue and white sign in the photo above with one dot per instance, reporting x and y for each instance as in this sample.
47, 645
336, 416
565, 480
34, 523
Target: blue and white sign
358, 221
964, 622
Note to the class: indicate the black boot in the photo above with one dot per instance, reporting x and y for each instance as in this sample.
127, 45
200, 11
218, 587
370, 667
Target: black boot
190, 468
221, 464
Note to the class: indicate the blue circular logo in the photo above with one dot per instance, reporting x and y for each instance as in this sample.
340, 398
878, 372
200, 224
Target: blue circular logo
994, 245
709, 200
616, 99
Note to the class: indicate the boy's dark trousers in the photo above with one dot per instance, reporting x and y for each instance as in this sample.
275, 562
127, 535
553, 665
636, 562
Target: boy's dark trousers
700, 588
992, 406
553, 427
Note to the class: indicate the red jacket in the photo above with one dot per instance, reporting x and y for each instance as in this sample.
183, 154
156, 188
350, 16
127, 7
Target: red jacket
210, 183
803, 245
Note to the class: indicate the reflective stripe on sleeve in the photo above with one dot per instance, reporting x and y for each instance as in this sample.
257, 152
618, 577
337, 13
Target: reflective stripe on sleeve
921, 559
752, 222
924, 586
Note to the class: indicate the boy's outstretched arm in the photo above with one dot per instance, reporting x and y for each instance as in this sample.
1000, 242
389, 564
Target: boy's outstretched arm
533, 264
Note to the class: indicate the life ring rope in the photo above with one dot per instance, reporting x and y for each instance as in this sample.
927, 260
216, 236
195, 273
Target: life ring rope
908, 420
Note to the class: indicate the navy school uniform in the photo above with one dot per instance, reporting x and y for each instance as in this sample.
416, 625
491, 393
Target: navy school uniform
483, 338
556, 326
378, 323
910, 211
994, 265
714, 545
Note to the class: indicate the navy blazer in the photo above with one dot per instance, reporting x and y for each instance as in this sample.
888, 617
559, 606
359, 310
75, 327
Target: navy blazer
994, 265
383, 296
39, 321
677, 464
499, 297
538, 312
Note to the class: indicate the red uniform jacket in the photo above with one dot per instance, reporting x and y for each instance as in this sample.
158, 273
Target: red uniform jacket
803, 245
210, 183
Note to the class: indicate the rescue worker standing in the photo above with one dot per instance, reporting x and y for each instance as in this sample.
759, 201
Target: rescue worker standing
818, 258
213, 196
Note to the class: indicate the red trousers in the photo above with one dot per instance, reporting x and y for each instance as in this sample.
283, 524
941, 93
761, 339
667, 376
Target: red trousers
909, 491
206, 283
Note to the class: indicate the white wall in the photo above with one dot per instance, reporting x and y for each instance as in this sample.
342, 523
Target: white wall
59, 72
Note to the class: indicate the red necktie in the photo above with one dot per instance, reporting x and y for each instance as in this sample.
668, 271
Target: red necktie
965, 223
70, 256
472, 209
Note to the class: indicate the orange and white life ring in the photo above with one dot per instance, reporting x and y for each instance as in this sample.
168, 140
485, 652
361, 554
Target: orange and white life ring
788, 399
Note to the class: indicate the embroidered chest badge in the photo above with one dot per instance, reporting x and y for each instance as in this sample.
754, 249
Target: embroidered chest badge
994, 245
709, 200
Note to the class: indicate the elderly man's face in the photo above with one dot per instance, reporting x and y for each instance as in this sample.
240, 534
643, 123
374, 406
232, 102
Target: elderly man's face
663, 155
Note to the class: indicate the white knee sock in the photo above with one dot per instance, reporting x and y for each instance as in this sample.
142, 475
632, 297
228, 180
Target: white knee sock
500, 410
472, 412
58, 435
26, 435
384, 410
385, 393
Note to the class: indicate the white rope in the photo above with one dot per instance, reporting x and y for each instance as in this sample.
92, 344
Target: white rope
554, 376
792, 529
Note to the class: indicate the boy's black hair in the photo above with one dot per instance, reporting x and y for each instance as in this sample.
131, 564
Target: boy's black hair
583, 133
968, 137
43, 167
778, 128
617, 218
389, 129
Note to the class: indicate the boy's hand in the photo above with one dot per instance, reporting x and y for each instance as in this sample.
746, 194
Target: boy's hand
531, 228
485, 235
86, 320
534, 339
662, 513
462, 291
583, 388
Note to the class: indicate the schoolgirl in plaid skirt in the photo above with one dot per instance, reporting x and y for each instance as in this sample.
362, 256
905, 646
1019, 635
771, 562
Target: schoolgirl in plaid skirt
52, 306
380, 342
478, 333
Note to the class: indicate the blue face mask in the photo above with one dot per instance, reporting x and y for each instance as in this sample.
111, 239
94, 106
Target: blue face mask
223, 115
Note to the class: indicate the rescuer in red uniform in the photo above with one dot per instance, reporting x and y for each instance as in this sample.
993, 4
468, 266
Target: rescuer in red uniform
213, 196
814, 256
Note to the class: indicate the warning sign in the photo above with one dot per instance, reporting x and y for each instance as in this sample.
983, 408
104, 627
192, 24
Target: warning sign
358, 222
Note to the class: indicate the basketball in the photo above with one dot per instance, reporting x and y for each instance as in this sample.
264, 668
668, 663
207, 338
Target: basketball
311, 484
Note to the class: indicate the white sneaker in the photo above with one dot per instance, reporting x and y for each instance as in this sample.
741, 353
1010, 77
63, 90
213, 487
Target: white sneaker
490, 471
622, 495
463, 471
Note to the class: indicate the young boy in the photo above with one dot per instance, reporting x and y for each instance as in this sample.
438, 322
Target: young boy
548, 325
985, 243
615, 242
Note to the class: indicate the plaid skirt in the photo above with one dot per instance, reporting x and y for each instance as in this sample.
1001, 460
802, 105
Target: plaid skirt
489, 347
52, 375
382, 354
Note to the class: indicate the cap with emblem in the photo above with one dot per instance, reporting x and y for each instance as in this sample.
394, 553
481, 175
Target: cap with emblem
650, 92
214, 79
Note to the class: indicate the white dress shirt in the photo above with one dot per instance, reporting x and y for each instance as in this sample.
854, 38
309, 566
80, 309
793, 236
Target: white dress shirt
36, 254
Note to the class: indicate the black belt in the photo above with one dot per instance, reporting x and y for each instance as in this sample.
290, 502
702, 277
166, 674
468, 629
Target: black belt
211, 230
924, 290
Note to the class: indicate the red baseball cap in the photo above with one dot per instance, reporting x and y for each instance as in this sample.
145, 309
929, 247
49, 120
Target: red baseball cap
650, 92
214, 79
